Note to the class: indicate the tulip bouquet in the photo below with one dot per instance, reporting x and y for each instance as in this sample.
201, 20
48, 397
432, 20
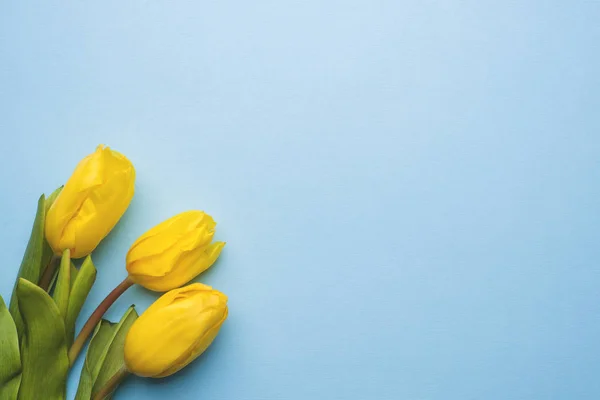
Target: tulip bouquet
38, 340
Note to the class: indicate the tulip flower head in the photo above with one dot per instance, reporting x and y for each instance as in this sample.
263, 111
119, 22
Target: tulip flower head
175, 330
91, 202
174, 252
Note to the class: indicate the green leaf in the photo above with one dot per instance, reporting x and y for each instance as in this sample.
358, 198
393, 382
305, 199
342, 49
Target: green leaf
114, 360
37, 255
105, 355
33, 262
80, 288
52, 198
54, 278
47, 252
74, 272
44, 349
10, 367
100, 339
63, 284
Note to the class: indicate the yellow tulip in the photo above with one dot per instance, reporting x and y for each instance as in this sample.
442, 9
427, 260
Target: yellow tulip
175, 330
91, 202
174, 252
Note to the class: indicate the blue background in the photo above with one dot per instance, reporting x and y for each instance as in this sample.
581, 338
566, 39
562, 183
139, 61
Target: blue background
409, 189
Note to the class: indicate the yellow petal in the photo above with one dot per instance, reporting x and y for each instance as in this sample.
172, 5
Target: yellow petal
167, 233
175, 330
174, 252
91, 202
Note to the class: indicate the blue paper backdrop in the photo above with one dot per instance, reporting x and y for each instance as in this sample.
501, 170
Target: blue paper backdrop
409, 189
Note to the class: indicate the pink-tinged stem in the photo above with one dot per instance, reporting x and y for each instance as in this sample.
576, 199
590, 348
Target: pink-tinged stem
48, 274
96, 316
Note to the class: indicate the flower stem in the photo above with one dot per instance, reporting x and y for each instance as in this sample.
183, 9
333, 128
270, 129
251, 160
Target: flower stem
48, 274
112, 384
96, 316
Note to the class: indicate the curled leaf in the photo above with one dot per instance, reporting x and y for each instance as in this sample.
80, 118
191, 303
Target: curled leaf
82, 281
34, 262
44, 349
50, 199
10, 366
105, 355
63, 284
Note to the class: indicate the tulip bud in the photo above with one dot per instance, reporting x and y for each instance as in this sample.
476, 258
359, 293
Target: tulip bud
174, 252
91, 202
175, 330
